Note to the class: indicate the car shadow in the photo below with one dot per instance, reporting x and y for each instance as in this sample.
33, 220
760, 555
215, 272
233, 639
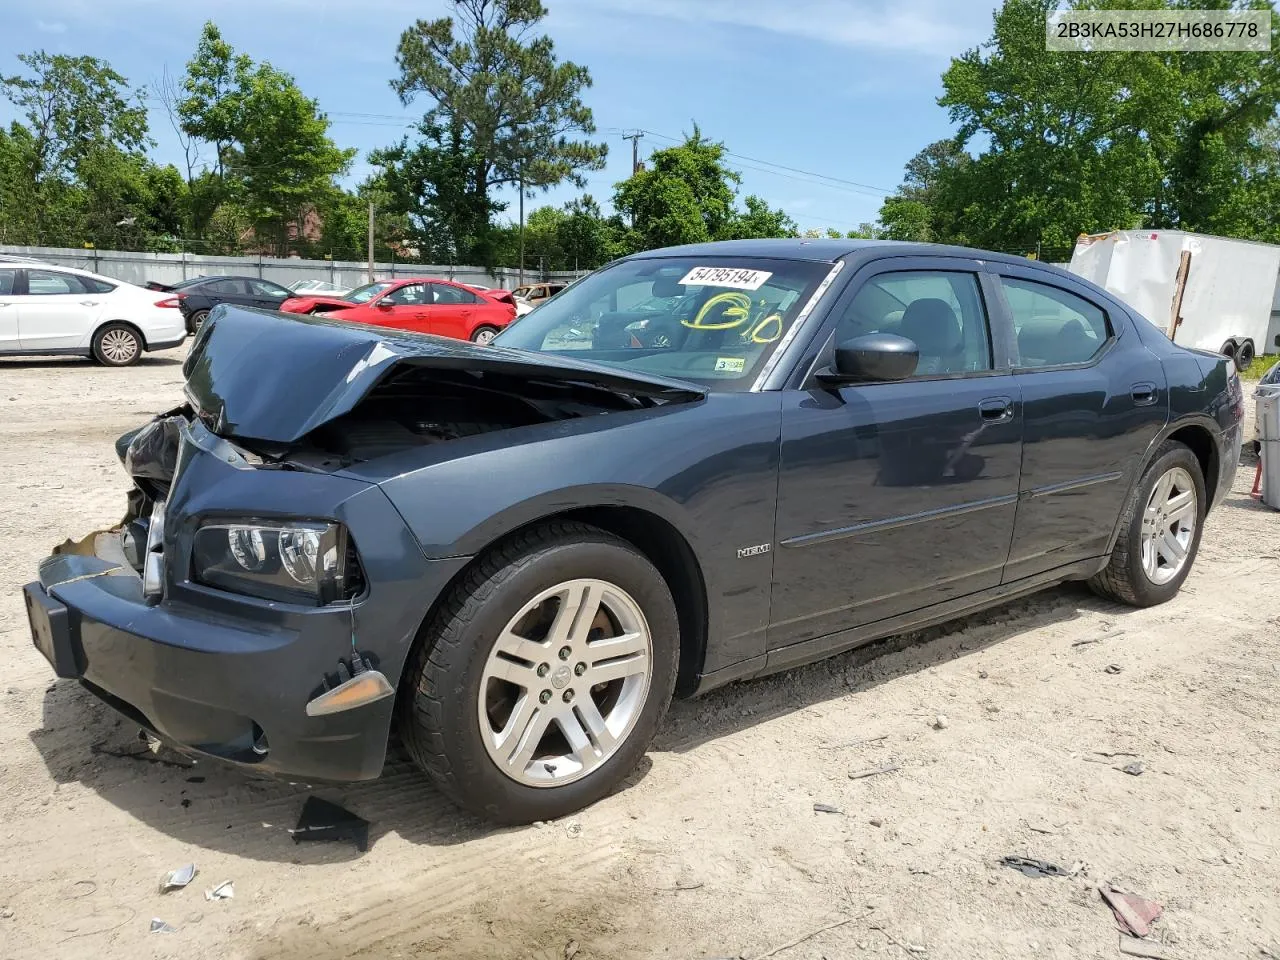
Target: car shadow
223, 808
36, 363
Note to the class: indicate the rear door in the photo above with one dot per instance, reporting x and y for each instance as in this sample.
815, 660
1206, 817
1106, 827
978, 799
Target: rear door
9, 309
267, 295
1094, 398
59, 310
451, 311
896, 496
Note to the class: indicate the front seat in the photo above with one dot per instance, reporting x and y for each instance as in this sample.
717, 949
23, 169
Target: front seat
932, 325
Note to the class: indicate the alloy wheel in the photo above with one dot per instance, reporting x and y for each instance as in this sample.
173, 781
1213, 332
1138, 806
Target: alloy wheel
484, 336
565, 683
1169, 526
119, 346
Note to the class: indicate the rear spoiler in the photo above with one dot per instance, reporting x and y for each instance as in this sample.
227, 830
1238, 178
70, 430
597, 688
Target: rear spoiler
504, 296
156, 285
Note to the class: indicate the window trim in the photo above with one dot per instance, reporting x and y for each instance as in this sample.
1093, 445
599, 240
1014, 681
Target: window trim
998, 275
996, 341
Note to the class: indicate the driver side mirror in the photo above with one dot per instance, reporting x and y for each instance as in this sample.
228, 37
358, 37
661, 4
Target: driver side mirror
873, 358
384, 305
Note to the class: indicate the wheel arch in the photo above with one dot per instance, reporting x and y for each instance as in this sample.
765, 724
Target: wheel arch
118, 322
657, 539
1196, 433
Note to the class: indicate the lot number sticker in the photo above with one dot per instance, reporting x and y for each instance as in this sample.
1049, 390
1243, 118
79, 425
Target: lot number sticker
730, 364
729, 277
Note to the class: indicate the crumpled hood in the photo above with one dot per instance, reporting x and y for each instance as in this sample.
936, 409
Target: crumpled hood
276, 377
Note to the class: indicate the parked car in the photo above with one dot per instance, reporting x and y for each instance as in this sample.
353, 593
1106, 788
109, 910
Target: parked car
422, 304
534, 293
536, 542
59, 310
317, 287
197, 296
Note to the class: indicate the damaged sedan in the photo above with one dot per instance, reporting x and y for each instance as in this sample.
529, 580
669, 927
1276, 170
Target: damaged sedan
695, 466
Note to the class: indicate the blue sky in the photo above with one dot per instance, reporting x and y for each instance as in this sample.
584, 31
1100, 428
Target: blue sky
842, 88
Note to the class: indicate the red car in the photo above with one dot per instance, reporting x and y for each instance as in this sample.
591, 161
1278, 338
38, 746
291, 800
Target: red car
426, 305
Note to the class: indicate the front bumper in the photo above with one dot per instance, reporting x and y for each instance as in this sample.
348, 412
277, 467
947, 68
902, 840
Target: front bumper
225, 675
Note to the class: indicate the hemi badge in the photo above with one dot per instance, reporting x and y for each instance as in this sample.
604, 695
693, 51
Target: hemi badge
754, 551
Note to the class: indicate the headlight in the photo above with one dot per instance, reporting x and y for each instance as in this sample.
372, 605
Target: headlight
292, 561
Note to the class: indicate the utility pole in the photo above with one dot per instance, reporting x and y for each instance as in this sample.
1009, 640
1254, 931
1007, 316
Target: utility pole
371, 239
634, 137
520, 282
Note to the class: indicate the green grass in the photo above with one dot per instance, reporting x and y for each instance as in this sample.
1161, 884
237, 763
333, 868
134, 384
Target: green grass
1259, 366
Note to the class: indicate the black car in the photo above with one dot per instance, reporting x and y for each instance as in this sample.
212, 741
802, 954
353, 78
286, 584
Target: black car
516, 553
197, 296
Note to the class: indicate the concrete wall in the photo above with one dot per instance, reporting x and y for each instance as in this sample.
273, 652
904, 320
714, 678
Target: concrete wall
138, 268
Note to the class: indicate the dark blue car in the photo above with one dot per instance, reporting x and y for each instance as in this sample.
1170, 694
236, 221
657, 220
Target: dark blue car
695, 466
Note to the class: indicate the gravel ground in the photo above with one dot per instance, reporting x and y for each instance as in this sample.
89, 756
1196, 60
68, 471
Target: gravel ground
713, 849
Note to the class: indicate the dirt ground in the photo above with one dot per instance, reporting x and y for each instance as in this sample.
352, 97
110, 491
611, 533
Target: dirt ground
713, 849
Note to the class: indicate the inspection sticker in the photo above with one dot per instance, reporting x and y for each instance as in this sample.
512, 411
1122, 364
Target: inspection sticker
730, 364
730, 277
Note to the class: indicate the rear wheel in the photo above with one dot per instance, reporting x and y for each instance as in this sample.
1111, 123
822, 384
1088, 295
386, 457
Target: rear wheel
484, 335
1159, 531
544, 676
1244, 355
117, 345
196, 319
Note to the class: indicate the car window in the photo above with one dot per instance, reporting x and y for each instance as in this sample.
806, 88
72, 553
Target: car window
410, 295
8, 278
94, 285
712, 319
940, 310
1053, 326
445, 294
225, 288
50, 282
263, 288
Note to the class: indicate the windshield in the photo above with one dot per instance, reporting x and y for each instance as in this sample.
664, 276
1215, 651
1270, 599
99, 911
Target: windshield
712, 320
368, 291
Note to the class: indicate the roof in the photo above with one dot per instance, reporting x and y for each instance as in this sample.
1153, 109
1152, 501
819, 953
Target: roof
824, 250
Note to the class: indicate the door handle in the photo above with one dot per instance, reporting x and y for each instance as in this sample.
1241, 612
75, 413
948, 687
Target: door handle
996, 409
1144, 394
88, 303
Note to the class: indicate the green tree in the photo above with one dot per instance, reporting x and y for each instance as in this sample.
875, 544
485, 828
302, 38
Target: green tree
586, 236
74, 112
429, 183
685, 194
759, 220
274, 159
510, 108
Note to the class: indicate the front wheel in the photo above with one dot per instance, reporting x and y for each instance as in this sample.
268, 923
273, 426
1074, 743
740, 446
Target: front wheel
542, 679
1159, 531
483, 335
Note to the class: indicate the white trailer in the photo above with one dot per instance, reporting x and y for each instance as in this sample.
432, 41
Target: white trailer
1206, 292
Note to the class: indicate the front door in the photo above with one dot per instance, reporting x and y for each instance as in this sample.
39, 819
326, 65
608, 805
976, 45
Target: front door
1093, 399
267, 295
406, 308
895, 496
59, 310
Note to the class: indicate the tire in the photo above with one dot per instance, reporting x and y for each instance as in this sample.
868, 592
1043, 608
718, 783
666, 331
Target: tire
196, 319
1244, 355
483, 335
449, 730
1128, 575
117, 345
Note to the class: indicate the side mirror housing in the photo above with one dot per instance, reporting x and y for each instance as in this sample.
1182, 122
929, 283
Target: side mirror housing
873, 358
383, 305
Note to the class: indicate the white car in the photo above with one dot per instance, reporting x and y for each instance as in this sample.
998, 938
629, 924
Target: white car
311, 287
46, 309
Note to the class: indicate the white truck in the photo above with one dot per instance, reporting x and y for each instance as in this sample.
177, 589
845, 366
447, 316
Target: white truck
1206, 292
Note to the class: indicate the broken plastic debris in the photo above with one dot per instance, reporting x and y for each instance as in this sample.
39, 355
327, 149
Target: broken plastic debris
1134, 769
159, 926
223, 891
1035, 868
1134, 914
825, 808
177, 879
322, 820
